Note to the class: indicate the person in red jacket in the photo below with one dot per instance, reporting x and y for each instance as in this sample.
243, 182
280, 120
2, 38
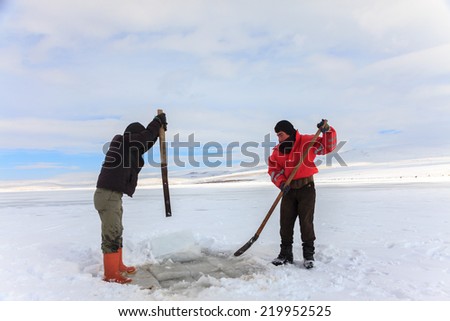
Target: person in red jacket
299, 196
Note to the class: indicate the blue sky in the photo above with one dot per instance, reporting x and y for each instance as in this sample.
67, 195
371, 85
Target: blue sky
73, 74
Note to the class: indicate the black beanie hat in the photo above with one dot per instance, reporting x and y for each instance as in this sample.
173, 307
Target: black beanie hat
134, 128
285, 126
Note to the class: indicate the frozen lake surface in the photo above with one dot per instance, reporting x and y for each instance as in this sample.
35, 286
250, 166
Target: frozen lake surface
384, 241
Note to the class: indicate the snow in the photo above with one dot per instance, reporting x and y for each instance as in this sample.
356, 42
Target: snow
383, 233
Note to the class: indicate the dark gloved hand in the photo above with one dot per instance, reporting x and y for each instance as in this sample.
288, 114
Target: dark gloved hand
324, 127
285, 188
161, 118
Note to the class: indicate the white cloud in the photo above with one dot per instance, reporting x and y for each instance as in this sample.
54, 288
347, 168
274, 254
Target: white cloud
53, 134
44, 165
427, 91
227, 70
205, 27
222, 68
403, 25
10, 61
336, 69
222, 31
422, 63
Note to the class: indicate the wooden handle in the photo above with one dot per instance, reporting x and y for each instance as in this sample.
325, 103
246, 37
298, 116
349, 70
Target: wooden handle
164, 171
162, 142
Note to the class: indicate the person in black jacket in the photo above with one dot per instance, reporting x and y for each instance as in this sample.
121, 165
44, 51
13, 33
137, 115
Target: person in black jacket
118, 176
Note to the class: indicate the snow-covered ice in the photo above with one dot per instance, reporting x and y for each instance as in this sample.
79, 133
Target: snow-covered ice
375, 241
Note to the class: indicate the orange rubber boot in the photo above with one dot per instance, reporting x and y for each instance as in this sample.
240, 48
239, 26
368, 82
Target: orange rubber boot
123, 267
111, 266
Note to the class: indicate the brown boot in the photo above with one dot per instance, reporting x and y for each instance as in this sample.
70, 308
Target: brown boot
123, 267
111, 266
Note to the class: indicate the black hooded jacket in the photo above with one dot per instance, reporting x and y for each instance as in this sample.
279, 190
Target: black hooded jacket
123, 160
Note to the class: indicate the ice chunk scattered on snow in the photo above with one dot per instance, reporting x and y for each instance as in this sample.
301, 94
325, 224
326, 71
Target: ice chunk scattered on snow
178, 246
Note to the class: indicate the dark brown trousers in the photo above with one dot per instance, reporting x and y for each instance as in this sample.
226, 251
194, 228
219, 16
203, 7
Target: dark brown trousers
299, 203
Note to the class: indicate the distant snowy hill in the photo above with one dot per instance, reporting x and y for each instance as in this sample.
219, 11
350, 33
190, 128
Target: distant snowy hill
404, 163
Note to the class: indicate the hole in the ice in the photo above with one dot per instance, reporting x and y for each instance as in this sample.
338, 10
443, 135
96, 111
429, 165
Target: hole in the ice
170, 272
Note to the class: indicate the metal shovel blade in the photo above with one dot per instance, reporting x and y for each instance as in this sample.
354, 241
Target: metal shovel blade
246, 246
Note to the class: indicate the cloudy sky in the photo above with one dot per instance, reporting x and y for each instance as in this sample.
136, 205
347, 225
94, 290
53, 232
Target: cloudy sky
74, 73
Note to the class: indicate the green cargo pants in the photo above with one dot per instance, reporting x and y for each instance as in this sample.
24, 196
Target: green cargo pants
109, 206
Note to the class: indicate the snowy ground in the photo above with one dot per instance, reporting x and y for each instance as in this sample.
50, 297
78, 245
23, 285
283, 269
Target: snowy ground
383, 241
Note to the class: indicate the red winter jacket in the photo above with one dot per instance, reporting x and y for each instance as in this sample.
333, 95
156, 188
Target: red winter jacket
282, 165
